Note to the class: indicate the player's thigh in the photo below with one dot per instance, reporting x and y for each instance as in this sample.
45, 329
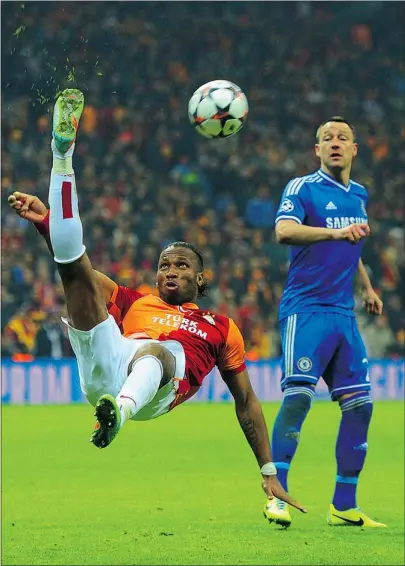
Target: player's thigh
83, 294
308, 343
103, 358
348, 370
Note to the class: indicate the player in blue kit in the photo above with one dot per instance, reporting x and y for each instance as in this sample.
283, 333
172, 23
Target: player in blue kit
323, 218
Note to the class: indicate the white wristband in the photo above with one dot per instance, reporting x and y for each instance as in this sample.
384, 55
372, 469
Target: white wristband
269, 469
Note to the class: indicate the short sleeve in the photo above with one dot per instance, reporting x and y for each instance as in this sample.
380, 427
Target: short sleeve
121, 301
293, 204
233, 357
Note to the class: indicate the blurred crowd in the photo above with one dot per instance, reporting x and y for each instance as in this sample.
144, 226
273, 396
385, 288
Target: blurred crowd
146, 178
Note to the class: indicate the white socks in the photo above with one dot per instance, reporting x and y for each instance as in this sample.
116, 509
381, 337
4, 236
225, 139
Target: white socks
140, 387
65, 227
62, 162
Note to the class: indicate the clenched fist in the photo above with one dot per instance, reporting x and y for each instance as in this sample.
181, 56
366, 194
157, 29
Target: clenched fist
27, 206
353, 233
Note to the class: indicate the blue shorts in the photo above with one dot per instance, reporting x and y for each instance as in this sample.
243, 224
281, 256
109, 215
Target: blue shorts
327, 345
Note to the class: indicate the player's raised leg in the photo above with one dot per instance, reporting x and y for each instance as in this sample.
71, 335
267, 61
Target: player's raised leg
83, 294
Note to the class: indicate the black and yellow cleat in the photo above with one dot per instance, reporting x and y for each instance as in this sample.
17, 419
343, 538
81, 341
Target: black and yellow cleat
350, 518
108, 421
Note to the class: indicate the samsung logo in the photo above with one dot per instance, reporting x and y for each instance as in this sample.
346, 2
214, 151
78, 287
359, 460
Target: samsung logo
343, 221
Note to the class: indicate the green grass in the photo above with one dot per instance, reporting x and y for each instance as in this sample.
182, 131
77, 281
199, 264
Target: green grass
184, 489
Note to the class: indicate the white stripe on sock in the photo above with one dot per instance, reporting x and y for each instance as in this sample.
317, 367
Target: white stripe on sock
299, 390
346, 406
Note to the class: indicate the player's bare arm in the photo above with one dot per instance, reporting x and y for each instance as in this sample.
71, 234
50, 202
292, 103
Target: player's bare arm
34, 210
292, 233
372, 302
253, 424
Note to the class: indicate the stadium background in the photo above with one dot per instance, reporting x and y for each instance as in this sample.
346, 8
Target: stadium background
146, 178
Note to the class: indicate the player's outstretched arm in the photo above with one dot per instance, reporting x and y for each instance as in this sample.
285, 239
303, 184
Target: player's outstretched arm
292, 233
251, 420
32, 209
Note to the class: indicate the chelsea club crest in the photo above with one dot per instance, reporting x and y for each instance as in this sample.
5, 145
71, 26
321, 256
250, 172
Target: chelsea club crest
304, 364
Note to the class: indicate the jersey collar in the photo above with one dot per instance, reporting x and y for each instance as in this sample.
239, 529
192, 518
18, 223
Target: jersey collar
187, 306
333, 181
181, 308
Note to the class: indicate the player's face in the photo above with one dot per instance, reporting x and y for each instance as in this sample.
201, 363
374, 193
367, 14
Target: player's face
336, 147
178, 276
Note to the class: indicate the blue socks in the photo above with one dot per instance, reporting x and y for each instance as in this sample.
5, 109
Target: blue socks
351, 445
351, 448
286, 431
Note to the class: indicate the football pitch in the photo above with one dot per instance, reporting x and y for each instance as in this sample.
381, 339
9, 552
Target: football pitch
185, 489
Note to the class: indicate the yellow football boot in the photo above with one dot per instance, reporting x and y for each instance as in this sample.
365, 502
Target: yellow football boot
276, 511
350, 518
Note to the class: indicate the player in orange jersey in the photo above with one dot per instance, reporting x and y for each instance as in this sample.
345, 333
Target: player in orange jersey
145, 354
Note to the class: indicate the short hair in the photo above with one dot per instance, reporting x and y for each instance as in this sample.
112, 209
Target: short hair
189, 247
336, 119
202, 289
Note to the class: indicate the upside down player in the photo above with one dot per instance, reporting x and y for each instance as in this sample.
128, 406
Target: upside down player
323, 217
170, 344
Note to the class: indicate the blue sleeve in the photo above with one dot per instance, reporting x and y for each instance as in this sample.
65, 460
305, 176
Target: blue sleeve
293, 204
364, 196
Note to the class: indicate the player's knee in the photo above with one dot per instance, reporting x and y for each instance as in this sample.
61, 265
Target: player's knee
345, 396
293, 411
298, 398
359, 405
165, 357
296, 404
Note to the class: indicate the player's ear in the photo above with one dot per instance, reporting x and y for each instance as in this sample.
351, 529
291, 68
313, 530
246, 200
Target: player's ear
200, 278
317, 150
355, 149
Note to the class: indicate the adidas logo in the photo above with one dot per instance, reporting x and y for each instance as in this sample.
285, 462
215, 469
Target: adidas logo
331, 206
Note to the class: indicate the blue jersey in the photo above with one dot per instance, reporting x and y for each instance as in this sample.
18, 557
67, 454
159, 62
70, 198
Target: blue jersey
321, 275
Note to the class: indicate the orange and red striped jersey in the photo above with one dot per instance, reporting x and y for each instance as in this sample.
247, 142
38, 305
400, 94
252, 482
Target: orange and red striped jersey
208, 339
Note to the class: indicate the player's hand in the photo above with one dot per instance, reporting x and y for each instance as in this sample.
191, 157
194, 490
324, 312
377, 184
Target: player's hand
372, 302
27, 206
353, 233
273, 488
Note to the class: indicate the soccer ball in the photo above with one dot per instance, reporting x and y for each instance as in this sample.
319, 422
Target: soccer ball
218, 109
